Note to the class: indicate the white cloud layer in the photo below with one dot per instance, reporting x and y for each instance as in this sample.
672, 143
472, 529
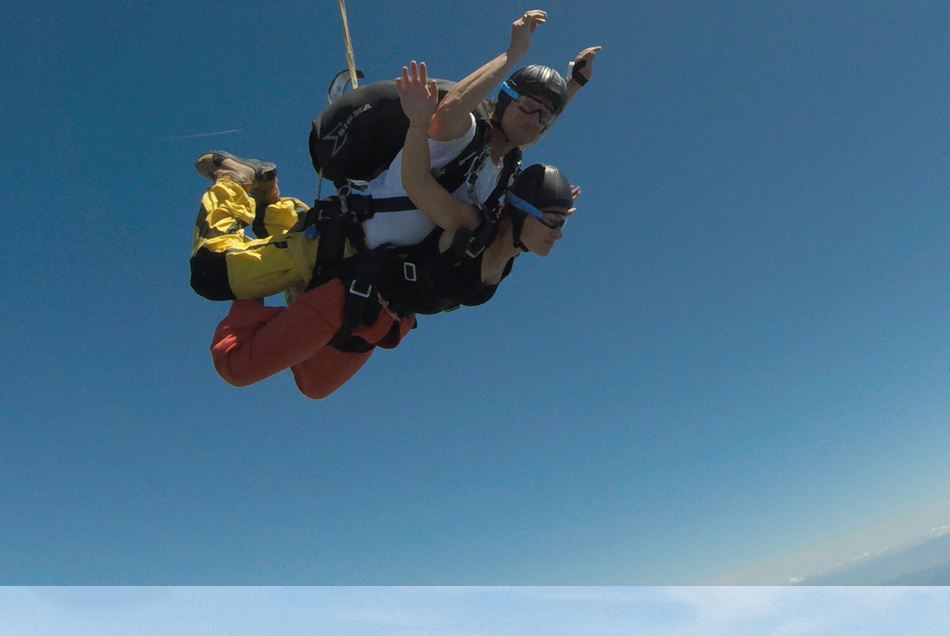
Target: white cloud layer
939, 532
600, 611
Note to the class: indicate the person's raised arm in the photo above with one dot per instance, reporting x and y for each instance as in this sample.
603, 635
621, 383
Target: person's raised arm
452, 117
419, 98
582, 68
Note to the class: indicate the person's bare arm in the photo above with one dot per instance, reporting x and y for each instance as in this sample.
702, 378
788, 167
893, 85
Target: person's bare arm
452, 118
583, 65
419, 97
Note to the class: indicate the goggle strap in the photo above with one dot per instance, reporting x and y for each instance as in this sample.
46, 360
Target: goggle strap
509, 91
524, 206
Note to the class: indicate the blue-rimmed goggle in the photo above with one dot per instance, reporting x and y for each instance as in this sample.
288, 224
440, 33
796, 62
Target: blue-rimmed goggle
524, 206
529, 105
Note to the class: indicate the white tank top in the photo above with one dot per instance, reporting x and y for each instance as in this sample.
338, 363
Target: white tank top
411, 226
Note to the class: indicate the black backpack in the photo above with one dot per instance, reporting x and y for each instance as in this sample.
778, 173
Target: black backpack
359, 134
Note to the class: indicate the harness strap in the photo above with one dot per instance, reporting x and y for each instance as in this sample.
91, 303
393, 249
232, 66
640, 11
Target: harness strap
419, 275
454, 173
334, 226
361, 306
469, 244
350, 344
260, 230
391, 204
512, 166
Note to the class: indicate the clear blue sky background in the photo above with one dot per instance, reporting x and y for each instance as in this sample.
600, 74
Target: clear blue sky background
738, 354
602, 611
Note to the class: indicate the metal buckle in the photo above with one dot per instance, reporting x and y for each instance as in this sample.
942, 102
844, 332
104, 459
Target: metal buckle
409, 271
369, 290
468, 248
344, 192
326, 209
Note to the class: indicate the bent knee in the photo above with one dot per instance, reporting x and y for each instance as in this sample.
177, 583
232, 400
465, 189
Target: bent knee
315, 391
239, 380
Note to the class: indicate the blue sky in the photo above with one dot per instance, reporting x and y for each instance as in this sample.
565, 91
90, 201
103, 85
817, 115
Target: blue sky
602, 611
731, 370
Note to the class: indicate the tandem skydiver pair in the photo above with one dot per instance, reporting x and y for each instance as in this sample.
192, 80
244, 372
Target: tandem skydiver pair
391, 257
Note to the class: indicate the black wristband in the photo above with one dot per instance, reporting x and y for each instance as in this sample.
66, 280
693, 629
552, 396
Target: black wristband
576, 72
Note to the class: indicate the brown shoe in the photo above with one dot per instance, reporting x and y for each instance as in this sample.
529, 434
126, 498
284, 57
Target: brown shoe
218, 164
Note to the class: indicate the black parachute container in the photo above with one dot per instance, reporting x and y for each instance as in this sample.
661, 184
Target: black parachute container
359, 134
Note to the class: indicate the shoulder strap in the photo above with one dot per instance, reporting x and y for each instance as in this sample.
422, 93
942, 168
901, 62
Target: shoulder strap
453, 174
469, 244
512, 166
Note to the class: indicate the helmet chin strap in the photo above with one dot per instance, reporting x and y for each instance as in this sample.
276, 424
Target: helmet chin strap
517, 224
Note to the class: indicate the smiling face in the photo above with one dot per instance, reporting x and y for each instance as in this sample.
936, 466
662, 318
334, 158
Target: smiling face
540, 234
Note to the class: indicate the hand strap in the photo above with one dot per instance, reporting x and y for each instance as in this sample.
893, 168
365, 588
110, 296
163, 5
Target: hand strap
576, 72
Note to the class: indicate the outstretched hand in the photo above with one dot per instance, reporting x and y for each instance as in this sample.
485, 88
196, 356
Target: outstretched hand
583, 64
418, 95
522, 28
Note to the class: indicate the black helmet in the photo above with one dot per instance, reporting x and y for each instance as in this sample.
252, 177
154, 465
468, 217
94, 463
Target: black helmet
543, 186
540, 186
535, 81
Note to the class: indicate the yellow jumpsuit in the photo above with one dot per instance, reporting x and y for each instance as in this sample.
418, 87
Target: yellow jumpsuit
226, 264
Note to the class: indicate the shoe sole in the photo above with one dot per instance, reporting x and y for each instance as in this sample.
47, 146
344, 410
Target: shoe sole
210, 161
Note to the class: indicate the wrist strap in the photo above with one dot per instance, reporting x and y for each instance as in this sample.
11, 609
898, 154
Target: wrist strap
576, 72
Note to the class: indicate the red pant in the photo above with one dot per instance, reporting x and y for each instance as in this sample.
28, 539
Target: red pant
254, 342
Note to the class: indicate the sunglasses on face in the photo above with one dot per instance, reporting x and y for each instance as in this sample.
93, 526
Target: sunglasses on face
553, 220
529, 105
